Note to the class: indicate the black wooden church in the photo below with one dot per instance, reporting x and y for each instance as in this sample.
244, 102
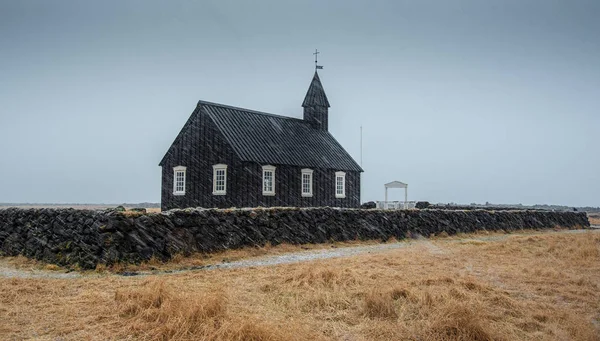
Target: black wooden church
232, 157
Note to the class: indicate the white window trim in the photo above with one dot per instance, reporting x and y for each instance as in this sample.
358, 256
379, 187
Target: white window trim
175, 170
343, 176
217, 167
310, 173
268, 168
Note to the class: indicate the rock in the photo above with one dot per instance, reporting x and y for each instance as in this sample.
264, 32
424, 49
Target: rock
422, 204
368, 205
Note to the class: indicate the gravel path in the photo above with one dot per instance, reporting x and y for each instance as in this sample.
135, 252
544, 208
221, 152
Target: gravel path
7, 270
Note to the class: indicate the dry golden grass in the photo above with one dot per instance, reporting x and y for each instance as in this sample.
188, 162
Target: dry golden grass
541, 286
158, 312
594, 218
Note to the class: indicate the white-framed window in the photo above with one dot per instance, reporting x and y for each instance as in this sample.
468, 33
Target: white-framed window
219, 179
307, 182
340, 184
268, 183
179, 180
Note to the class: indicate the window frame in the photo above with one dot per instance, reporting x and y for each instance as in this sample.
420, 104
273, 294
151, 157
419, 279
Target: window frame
340, 175
265, 169
309, 172
176, 170
216, 169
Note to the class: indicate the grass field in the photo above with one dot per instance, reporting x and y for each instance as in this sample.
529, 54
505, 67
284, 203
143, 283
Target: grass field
594, 218
541, 286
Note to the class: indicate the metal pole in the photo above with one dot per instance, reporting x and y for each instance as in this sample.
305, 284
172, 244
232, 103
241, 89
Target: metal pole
361, 149
361, 164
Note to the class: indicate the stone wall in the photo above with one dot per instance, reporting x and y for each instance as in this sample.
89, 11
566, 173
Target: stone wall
494, 208
86, 238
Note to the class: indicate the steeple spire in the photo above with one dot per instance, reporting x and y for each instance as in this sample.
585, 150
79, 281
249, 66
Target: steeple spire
316, 105
315, 96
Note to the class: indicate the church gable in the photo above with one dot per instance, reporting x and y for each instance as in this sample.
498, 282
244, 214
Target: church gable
178, 139
199, 138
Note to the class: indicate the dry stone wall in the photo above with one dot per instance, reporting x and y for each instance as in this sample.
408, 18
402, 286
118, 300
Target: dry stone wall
86, 238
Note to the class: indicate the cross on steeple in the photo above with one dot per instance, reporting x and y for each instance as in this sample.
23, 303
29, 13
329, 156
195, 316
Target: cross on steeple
317, 67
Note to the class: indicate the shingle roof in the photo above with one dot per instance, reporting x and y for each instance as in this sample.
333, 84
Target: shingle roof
315, 96
272, 139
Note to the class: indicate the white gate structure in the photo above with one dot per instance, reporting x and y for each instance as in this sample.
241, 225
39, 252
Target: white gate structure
395, 205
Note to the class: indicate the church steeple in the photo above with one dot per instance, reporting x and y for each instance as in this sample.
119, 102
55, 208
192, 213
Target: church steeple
316, 104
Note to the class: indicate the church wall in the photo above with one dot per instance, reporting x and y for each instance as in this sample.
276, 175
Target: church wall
244, 187
288, 188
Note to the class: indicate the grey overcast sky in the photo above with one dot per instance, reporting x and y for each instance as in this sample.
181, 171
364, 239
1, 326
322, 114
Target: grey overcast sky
466, 101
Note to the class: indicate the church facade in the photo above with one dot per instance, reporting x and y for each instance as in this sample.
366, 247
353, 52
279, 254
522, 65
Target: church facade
226, 156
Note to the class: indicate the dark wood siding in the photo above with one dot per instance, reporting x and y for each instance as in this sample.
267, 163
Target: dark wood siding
244, 188
288, 190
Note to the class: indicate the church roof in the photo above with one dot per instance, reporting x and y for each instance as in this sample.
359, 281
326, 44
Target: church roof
272, 139
315, 96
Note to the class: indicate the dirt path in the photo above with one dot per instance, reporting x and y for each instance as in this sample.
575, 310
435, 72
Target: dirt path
8, 270
435, 247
